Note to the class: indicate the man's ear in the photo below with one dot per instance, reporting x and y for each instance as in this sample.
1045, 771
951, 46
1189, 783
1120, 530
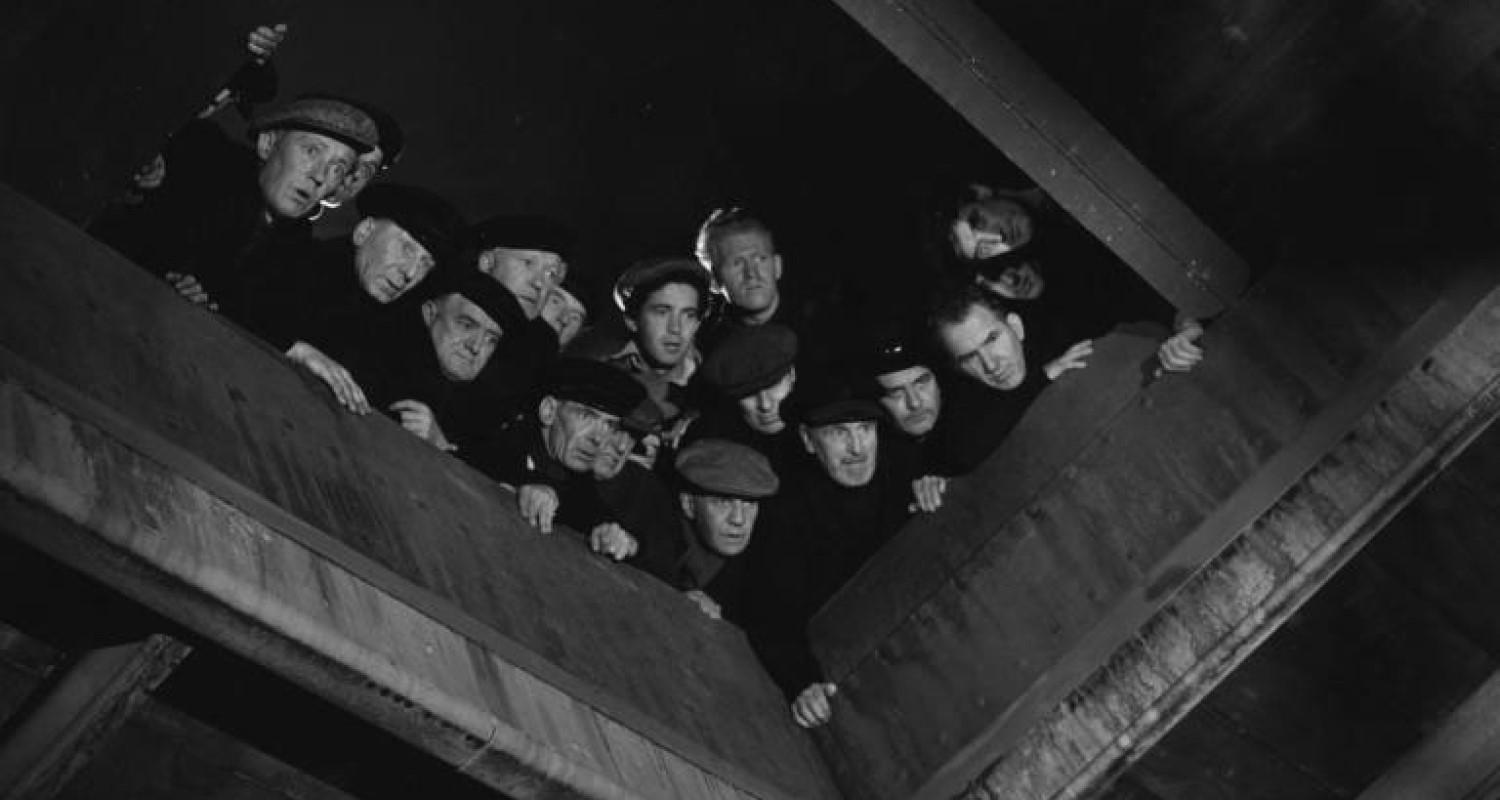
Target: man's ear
687, 505
265, 142
791, 374
807, 440
1014, 321
363, 230
776, 265
429, 311
632, 325
546, 411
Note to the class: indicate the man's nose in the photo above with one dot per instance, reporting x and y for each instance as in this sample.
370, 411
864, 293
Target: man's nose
763, 401
674, 324
858, 445
737, 512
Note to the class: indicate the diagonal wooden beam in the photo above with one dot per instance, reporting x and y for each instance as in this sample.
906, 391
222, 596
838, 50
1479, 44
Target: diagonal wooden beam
989, 80
82, 707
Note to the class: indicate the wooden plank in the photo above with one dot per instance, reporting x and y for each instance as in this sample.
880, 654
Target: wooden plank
200, 399
965, 58
80, 710
1457, 761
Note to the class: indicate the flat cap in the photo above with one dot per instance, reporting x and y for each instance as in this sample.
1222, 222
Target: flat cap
594, 384
338, 119
750, 358
427, 217
894, 351
483, 291
522, 232
644, 277
646, 418
389, 136
729, 469
828, 397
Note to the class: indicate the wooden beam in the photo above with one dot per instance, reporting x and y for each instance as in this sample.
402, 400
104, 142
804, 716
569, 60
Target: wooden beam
964, 57
88, 702
1458, 761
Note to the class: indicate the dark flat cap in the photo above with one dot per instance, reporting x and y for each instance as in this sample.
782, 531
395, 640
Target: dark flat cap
389, 136
750, 358
522, 232
829, 396
644, 277
483, 291
730, 469
646, 418
428, 218
595, 384
894, 352
338, 119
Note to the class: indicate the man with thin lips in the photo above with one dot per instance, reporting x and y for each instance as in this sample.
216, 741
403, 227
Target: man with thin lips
839, 503
723, 486
984, 340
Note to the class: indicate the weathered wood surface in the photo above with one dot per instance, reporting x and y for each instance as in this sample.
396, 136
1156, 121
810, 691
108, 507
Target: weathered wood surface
965, 58
1056, 575
157, 416
80, 710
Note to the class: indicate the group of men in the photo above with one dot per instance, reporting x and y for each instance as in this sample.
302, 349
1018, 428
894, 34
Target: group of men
687, 436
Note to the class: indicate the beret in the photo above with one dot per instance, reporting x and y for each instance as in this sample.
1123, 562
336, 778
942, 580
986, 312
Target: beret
595, 384
485, 292
338, 119
427, 217
827, 397
750, 358
522, 232
730, 469
654, 273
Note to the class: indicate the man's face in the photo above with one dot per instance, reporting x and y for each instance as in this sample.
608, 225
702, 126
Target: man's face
912, 397
575, 434
762, 410
1020, 282
723, 524
299, 169
528, 274
565, 313
749, 268
387, 260
612, 455
987, 348
463, 335
666, 323
846, 450
990, 227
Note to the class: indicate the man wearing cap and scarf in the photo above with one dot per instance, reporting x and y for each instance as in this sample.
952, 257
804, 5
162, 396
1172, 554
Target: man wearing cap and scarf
723, 485
419, 363
747, 380
839, 503
550, 457
910, 391
223, 208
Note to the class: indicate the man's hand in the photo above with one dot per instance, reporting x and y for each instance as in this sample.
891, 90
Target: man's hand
331, 372
813, 707
705, 603
191, 290
1179, 353
928, 491
609, 539
538, 504
263, 41
1075, 357
418, 418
